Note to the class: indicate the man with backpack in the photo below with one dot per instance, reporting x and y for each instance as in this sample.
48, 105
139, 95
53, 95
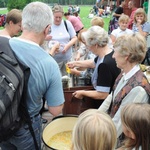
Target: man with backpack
44, 79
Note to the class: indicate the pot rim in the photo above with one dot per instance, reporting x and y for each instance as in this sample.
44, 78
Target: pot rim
58, 117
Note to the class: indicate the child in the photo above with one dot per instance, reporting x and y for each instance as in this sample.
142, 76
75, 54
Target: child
136, 126
122, 29
94, 130
140, 22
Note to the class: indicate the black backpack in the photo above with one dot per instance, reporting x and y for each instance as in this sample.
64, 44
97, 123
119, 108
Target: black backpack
13, 86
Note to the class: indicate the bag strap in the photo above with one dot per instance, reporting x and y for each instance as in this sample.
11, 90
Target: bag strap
66, 25
24, 112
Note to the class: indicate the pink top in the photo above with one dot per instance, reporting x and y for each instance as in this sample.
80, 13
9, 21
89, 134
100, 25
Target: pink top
77, 24
130, 24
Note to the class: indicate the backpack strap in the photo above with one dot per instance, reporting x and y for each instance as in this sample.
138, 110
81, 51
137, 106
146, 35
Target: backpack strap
66, 25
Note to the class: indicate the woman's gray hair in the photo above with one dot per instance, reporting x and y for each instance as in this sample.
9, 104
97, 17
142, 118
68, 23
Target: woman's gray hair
36, 16
133, 46
96, 35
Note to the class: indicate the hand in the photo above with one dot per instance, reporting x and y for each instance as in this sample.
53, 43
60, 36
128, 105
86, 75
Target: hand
65, 48
75, 72
78, 94
139, 21
71, 64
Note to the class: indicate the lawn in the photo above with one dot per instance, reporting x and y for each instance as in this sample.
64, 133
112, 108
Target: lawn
83, 15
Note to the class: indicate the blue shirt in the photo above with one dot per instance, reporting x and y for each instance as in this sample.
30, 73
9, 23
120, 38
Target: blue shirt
45, 77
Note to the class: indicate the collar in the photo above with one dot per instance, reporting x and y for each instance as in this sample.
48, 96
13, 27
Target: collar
25, 40
131, 72
121, 30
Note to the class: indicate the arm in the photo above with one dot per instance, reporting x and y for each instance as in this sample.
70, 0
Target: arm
106, 104
93, 94
83, 64
136, 95
54, 94
70, 43
54, 49
57, 110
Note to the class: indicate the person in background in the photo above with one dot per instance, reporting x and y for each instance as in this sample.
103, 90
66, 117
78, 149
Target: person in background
94, 130
119, 10
145, 6
131, 86
140, 23
122, 29
136, 124
76, 22
45, 78
113, 24
105, 69
66, 38
77, 15
132, 6
13, 24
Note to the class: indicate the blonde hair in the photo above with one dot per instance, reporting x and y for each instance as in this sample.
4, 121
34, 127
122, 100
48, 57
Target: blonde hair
136, 118
133, 46
94, 130
14, 15
80, 36
138, 12
57, 8
96, 35
97, 21
123, 18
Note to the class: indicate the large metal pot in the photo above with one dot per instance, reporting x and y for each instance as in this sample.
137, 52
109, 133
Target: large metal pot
57, 125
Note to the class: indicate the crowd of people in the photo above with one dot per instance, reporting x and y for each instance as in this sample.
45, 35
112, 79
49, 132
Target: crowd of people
121, 90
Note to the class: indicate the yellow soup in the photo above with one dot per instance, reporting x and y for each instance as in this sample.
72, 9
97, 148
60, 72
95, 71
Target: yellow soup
61, 141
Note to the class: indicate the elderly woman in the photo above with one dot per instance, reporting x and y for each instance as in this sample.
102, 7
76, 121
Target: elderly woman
105, 69
65, 35
131, 86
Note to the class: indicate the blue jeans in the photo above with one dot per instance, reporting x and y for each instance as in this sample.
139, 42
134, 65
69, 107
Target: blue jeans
22, 139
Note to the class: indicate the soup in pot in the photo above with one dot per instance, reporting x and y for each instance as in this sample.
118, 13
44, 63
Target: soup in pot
61, 141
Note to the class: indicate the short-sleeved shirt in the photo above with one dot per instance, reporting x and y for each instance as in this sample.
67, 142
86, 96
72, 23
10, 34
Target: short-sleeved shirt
45, 77
77, 24
105, 73
119, 10
59, 33
118, 32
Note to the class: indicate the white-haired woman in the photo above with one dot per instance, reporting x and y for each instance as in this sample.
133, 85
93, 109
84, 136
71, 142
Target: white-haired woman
131, 86
105, 69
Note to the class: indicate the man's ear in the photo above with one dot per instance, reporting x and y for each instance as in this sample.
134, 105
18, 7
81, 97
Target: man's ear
47, 30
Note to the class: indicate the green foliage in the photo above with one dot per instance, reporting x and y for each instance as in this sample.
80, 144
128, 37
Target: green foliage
18, 4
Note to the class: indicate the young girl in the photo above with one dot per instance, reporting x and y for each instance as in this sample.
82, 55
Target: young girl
136, 126
122, 29
94, 130
140, 22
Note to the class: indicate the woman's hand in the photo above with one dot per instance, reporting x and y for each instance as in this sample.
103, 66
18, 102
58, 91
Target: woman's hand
71, 64
78, 94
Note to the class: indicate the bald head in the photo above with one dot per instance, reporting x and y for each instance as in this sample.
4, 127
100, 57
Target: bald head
131, 4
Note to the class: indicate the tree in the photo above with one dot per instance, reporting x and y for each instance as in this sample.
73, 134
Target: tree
18, 4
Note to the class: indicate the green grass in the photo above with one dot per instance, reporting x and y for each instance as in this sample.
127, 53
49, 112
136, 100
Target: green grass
83, 15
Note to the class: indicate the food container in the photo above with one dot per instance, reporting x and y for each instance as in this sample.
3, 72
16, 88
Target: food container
57, 125
76, 106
